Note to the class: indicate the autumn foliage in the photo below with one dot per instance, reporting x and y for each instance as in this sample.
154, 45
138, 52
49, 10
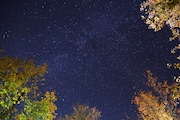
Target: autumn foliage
19, 96
159, 13
162, 12
21, 99
163, 102
160, 104
149, 108
83, 112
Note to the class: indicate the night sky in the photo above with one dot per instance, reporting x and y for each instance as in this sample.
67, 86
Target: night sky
97, 51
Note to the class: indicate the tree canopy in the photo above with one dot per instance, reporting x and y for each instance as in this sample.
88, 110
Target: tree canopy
162, 103
21, 99
83, 112
162, 12
19, 95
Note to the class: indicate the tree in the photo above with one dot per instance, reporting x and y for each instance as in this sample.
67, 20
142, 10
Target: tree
83, 112
162, 12
19, 95
163, 106
163, 101
149, 108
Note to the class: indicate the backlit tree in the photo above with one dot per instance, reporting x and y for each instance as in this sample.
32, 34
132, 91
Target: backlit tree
159, 13
160, 104
163, 102
162, 12
19, 95
149, 108
83, 112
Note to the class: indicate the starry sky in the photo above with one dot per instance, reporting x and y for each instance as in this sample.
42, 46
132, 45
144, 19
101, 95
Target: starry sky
97, 51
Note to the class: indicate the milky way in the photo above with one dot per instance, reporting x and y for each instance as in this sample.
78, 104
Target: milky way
96, 50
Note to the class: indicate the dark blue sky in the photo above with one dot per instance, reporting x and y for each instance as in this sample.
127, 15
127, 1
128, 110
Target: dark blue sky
97, 50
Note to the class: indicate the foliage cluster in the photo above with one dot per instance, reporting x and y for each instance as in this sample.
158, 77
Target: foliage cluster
161, 12
19, 96
83, 112
162, 103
